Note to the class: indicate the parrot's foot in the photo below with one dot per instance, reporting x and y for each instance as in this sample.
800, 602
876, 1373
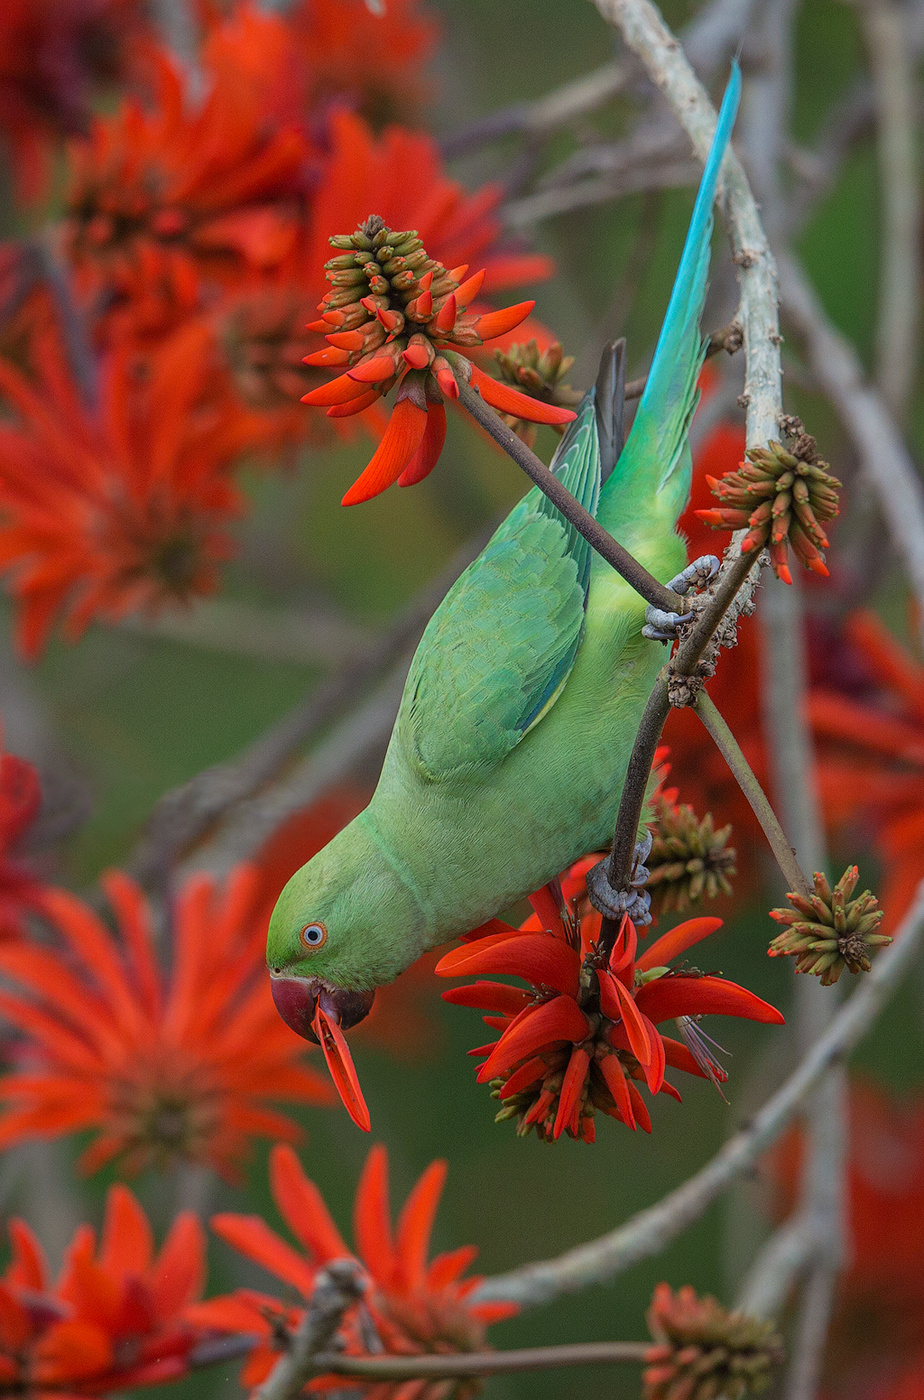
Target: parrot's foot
661, 626
634, 901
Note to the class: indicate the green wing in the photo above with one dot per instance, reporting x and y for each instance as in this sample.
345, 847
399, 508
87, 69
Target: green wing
498, 650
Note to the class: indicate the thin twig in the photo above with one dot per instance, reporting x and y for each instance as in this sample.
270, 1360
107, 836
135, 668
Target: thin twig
900, 285
602, 541
485, 1363
652, 1229
741, 770
778, 1265
336, 1288
575, 99
811, 1333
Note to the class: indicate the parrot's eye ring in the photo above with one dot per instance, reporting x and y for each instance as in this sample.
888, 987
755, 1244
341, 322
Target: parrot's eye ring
314, 936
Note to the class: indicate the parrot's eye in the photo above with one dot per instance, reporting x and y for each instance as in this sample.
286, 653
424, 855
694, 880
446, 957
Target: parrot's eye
314, 936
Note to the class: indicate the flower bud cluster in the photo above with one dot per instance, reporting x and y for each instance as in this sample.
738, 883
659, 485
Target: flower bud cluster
689, 859
702, 1351
781, 497
828, 930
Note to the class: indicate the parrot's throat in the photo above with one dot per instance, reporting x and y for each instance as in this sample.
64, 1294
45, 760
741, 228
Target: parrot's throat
419, 921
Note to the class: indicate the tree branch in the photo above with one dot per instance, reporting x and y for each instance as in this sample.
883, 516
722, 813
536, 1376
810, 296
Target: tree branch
741, 770
336, 1288
485, 1363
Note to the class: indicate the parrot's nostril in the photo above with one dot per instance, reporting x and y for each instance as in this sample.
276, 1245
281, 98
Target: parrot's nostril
296, 1002
347, 1008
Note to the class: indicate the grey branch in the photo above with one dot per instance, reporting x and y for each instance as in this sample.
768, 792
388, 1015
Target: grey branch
883, 454
651, 1230
885, 25
336, 1288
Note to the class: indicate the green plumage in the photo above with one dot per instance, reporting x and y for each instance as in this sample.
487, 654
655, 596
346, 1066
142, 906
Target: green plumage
509, 751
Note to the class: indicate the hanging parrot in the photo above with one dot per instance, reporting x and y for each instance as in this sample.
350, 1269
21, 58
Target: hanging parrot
510, 748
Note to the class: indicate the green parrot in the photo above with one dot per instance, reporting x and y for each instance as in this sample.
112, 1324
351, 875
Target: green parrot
509, 752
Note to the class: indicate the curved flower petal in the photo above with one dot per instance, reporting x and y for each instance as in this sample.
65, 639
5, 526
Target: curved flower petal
669, 947
667, 997
507, 400
431, 445
537, 958
549, 1024
569, 1099
302, 1207
403, 436
489, 996
618, 1005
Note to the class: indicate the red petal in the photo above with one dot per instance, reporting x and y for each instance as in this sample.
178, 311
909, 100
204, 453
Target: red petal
374, 371
494, 323
537, 958
507, 400
642, 1116
664, 950
569, 1101
702, 996
427, 454
403, 435
342, 1070
415, 1224
346, 410
303, 1208
547, 904
618, 1004
523, 1077
327, 357
372, 1218
467, 291
445, 318
615, 1079
548, 1024
489, 996
339, 390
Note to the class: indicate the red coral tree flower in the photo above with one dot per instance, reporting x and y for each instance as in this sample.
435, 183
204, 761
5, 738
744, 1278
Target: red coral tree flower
586, 1029
396, 317
870, 756
161, 195
120, 509
163, 1066
116, 1317
20, 800
415, 1306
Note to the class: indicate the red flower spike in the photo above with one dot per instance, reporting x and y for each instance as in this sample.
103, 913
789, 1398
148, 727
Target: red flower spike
560, 1059
384, 279
415, 1306
342, 1070
395, 452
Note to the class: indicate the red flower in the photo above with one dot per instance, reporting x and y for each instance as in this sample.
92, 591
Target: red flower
120, 510
159, 196
163, 1067
397, 317
415, 1307
53, 55
871, 756
586, 1029
879, 1323
116, 1317
372, 60
20, 799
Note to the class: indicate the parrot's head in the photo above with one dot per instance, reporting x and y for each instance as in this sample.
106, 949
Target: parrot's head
344, 924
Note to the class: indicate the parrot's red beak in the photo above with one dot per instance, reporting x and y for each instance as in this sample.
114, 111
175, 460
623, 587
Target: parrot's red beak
319, 1013
298, 998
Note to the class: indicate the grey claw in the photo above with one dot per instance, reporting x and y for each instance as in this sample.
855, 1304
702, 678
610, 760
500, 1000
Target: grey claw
699, 572
634, 901
661, 626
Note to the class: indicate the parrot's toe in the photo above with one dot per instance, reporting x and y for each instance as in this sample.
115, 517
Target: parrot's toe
702, 571
634, 901
661, 626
